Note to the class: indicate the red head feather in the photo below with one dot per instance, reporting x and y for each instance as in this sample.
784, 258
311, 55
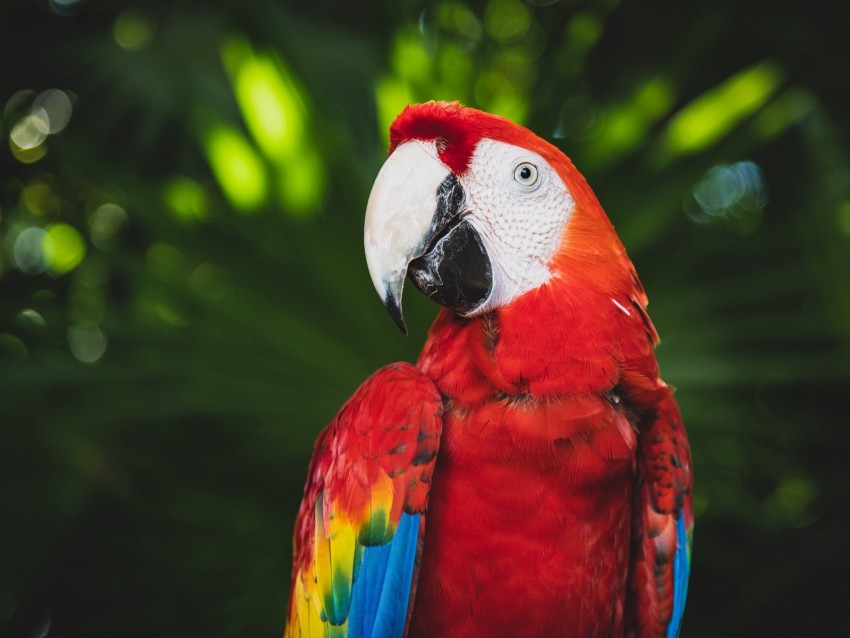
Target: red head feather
457, 130
590, 240
591, 265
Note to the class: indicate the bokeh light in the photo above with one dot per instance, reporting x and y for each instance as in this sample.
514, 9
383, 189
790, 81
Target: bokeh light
107, 225
64, 248
507, 20
36, 117
457, 17
30, 317
18, 103
187, 199
268, 100
39, 199
166, 262
64, 7
134, 29
733, 194
238, 168
55, 106
31, 131
715, 113
275, 114
578, 118
29, 251
27, 155
12, 348
87, 342
628, 123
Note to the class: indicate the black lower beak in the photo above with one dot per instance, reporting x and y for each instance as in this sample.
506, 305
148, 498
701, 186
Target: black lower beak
453, 268
450, 264
456, 271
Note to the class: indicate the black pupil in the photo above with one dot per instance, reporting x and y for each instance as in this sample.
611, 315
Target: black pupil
525, 172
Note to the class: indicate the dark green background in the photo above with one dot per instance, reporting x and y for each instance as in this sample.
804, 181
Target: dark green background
152, 492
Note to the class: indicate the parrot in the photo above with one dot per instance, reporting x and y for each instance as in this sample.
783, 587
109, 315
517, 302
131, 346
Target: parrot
530, 475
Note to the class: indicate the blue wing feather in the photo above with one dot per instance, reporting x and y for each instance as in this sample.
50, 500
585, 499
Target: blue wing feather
357, 535
366, 592
681, 571
381, 592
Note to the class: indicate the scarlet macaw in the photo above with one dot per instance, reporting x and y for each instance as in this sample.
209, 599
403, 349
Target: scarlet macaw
530, 475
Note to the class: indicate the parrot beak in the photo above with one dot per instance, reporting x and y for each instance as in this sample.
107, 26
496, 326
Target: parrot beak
399, 216
415, 225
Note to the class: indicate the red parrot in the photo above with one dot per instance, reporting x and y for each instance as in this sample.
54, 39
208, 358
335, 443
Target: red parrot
530, 475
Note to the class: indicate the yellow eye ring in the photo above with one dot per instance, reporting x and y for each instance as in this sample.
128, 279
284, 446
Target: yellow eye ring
526, 174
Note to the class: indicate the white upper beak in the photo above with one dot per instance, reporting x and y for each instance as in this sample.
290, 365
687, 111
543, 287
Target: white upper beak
399, 215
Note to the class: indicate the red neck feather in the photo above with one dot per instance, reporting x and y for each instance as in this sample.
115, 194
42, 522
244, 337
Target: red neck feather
594, 305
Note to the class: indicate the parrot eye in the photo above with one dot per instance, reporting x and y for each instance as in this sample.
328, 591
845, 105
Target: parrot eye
526, 174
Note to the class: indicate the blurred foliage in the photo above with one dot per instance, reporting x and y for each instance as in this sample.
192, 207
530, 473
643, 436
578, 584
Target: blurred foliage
184, 301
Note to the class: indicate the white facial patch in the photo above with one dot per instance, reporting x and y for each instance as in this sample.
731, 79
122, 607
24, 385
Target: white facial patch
521, 224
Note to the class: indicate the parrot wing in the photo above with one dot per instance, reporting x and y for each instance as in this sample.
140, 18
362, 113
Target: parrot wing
662, 526
359, 530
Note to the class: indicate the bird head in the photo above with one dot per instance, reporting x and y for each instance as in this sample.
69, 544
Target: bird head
477, 211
